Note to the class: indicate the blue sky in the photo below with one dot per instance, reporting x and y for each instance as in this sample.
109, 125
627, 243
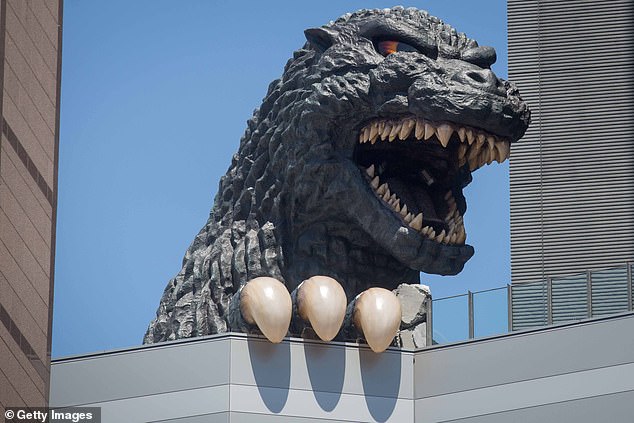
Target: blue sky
155, 97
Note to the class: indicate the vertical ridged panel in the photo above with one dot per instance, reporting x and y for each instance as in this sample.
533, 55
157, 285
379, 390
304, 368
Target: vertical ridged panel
572, 175
631, 286
530, 305
570, 298
609, 291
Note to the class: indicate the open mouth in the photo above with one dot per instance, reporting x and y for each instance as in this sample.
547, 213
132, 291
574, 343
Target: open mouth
418, 168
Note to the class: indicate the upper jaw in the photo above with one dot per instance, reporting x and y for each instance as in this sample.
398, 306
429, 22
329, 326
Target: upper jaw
505, 116
477, 146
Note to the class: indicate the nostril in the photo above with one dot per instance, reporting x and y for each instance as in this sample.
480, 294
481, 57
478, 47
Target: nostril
480, 79
476, 76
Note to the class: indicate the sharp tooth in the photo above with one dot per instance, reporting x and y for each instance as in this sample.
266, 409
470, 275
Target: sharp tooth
453, 238
432, 234
492, 154
420, 129
473, 163
446, 239
483, 157
503, 149
408, 218
370, 171
498, 154
366, 134
396, 128
426, 230
385, 133
470, 136
377, 315
322, 302
429, 130
398, 207
381, 126
440, 236
462, 134
462, 150
266, 303
386, 195
480, 140
374, 131
406, 128
417, 222
474, 151
444, 131
381, 190
404, 210
462, 236
362, 136
375, 183
394, 197
491, 142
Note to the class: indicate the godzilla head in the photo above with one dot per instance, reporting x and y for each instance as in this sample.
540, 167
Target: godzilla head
392, 112
352, 168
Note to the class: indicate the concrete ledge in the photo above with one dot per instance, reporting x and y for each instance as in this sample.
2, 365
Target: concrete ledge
240, 378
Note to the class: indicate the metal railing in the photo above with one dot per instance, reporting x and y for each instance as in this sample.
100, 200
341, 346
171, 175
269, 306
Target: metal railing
523, 306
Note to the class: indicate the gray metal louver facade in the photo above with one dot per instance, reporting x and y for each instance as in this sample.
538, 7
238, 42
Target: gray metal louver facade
572, 175
575, 297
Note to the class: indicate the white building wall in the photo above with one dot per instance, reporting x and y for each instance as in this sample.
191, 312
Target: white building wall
582, 372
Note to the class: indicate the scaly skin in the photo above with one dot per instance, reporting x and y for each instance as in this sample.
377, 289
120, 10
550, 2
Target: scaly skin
297, 200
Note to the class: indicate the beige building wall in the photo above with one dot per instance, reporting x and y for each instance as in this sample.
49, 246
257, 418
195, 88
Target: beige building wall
30, 46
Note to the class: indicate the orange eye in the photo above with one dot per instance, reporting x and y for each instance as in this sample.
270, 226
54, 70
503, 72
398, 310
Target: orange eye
388, 47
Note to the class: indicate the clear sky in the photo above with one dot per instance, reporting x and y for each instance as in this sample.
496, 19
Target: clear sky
155, 97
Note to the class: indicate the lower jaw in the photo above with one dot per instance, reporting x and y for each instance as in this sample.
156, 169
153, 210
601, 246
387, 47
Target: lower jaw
449, 230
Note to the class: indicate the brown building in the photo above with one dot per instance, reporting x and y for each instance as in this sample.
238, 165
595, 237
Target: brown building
30, 46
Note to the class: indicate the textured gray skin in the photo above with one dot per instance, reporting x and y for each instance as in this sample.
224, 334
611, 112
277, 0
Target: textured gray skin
294, 204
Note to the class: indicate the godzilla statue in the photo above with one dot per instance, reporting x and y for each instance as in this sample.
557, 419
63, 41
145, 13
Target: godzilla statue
348, 182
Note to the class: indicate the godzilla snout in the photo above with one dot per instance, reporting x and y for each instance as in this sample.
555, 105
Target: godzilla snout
480, 79
448, 90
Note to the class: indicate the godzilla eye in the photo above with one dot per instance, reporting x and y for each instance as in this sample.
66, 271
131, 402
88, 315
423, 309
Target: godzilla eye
387, 47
